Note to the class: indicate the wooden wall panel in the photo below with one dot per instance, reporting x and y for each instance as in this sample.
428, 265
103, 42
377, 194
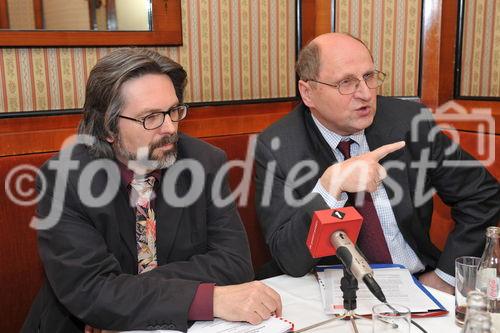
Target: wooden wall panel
4, 15
315, 19
22, 273
26, 135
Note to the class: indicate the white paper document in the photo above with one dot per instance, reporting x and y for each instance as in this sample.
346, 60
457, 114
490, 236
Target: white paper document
396, 283
271, 325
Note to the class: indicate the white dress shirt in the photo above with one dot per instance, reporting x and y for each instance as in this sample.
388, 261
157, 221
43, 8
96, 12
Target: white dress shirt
401, 252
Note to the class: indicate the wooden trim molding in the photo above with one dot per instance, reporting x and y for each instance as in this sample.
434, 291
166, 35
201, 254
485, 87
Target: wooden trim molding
470, 107
4, 15
38, 134
38, 10
439, 22
167, 30
316, 19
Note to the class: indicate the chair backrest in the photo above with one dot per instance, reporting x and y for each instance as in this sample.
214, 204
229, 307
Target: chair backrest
235, 147
474, 144
21, 274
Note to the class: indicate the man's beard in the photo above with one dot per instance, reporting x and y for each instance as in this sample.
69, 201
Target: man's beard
154, 159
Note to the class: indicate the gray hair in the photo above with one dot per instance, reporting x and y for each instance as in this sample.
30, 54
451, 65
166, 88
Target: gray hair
103, 98
308, 62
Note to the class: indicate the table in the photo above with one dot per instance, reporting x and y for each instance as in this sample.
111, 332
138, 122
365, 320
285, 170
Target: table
301, 300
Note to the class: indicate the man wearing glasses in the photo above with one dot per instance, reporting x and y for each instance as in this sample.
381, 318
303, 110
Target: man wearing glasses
342, 141
137, 259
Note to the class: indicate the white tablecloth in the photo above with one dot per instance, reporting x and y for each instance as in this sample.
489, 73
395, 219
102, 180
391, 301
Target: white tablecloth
302, 305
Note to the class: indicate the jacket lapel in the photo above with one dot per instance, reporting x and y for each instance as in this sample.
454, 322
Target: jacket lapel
119, 213
125, 215
322, 151
168, 216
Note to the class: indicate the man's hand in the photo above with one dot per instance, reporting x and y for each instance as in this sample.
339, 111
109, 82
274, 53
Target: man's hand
358, 174
431, 279
252, 302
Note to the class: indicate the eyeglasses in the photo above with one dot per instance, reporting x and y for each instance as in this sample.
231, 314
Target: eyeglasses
155, 120
349, 86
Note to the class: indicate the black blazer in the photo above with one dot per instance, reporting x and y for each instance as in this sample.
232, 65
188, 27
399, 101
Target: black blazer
90, 256
472, 192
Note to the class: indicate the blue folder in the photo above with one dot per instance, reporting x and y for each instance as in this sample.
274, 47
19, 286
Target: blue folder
431, 313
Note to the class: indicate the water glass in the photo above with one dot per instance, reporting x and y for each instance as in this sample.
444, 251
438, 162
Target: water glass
465, 281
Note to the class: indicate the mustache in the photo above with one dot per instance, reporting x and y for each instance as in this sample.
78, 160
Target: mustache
164, 141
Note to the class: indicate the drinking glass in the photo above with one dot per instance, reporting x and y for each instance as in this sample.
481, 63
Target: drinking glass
465, 281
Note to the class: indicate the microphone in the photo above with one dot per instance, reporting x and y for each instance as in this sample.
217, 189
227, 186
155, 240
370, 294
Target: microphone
331, 232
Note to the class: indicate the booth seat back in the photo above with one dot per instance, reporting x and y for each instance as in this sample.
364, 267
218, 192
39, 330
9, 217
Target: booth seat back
21, 272
442, 223
235, 147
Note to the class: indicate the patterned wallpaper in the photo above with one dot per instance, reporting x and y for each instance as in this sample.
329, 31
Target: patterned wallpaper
232, 50
480, 73
391, 29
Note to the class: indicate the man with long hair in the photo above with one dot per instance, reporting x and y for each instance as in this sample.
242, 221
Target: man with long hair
128, 233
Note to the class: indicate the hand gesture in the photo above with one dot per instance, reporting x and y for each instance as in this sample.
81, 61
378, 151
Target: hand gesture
358, 174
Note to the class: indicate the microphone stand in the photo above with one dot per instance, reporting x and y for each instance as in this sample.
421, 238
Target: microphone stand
349, 286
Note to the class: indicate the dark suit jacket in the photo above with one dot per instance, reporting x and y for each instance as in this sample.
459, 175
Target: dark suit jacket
473, 193
90, 256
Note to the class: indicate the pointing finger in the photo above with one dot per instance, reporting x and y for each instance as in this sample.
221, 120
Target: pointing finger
383, 151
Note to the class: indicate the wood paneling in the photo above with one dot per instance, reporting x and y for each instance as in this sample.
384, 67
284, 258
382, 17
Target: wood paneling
22, 273
235, 147
26, 135
38, 9
447, 50
438, 51
470, 105
4, 15
316, 19
442, 223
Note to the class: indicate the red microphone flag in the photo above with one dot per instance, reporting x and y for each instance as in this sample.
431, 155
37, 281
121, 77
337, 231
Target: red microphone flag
325, 223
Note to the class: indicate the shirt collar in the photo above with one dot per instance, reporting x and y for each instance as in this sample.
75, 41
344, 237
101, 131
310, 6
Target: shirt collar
333, 138
127, 175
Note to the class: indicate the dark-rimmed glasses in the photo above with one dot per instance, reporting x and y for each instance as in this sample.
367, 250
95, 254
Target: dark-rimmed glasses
156, 119
348, 86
